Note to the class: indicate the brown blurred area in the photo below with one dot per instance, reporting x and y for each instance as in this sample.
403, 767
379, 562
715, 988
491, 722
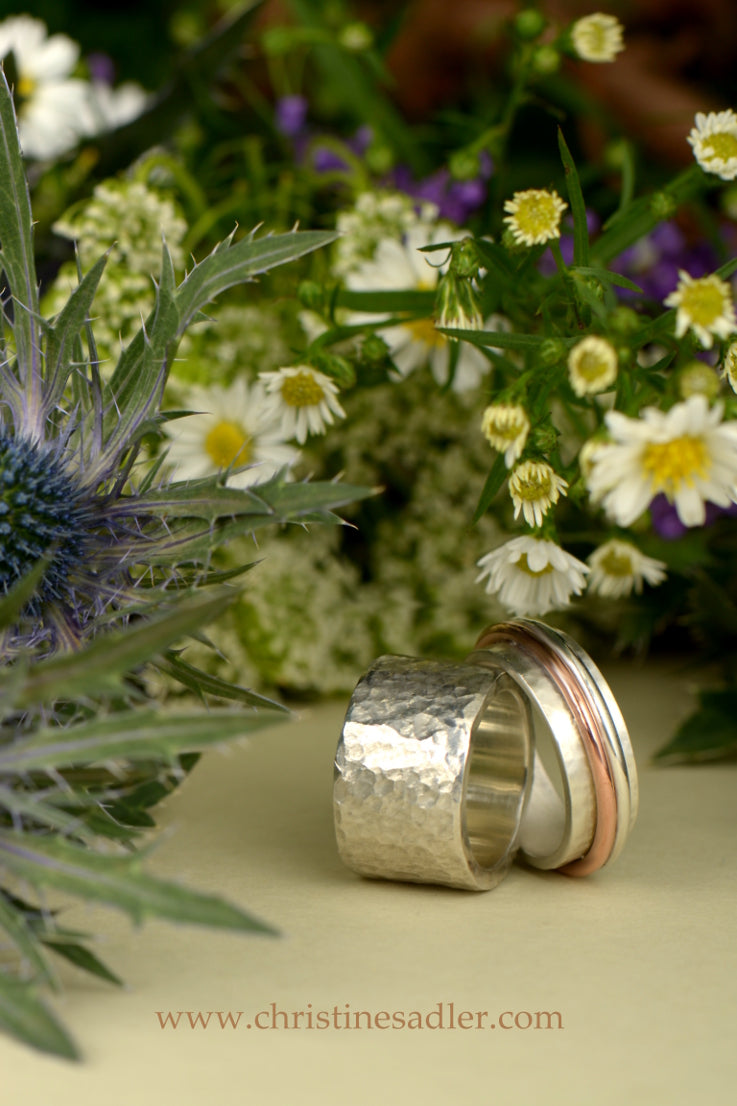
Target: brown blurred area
680, 58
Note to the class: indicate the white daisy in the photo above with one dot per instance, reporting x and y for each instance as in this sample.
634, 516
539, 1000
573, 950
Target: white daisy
687, 453
107, 108
303, 399
705, 305
399, 266
592, 365
232, 427
534, 216
531, 576
535, 487
597, 37
618, 568
714, 143
49, 102
506, 426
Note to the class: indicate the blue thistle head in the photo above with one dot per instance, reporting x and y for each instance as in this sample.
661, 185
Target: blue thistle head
42, 514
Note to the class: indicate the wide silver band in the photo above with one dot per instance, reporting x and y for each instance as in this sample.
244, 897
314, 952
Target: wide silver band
432, 773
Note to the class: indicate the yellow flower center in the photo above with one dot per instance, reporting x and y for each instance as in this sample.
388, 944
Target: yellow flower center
538, 214
423, 330
302, 390
226, 443
616, 564
722, 145
524, 565
25, 87
679, 461
703, 302
532, 488
591, 365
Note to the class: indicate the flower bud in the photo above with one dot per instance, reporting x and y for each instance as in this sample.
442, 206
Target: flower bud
529, 23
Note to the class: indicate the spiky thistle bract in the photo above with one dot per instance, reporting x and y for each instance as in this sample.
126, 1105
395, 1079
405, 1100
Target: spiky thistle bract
104, 567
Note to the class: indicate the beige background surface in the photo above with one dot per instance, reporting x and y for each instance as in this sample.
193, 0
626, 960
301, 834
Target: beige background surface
641, 960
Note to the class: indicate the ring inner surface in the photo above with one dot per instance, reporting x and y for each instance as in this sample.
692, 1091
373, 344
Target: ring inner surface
496, 776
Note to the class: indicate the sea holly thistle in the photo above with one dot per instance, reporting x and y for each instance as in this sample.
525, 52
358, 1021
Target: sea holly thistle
104, 567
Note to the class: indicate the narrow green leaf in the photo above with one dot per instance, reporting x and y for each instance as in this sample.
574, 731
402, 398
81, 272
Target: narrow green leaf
132, 735
707, 734
29, 805
501, 339
71, 319
494, 481
16, 251
202, 683
117, 881
13, 602
380, 303
25, 1017
16, 927
606, 276
205, 499
643, 215
578, 206
82, 958
111, 656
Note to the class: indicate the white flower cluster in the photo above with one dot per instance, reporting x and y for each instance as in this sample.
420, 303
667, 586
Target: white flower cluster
129, 218
56, 110
374, 216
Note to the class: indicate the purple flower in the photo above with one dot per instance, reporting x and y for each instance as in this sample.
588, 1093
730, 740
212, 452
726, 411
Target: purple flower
101, 67
455, 199
290, 115
654, 262
668, 525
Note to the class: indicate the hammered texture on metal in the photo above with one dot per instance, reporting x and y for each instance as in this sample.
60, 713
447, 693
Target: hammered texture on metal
399, 773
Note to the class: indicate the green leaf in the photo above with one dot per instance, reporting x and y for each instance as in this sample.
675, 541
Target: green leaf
81, 957
131, 734
381, 303
202, 683
138, 380
578, 206
61, 336
230, 264
101, 664
12, 603
205, 499
502, 339
16, 927
16, 252
28, 804
25, 1017
494, 481
710, 733
643, 215
117, 881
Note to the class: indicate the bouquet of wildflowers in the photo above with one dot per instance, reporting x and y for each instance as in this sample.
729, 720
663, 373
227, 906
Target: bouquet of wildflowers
580, 334
106, 568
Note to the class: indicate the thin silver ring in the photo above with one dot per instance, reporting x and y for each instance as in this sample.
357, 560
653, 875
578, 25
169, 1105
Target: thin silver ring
432, 773
554, 832
602, 746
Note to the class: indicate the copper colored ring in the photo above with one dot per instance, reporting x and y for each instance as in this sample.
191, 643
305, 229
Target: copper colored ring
593, 736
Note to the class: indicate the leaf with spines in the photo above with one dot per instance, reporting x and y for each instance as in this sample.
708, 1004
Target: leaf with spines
128, 735
17, 260
116, 880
